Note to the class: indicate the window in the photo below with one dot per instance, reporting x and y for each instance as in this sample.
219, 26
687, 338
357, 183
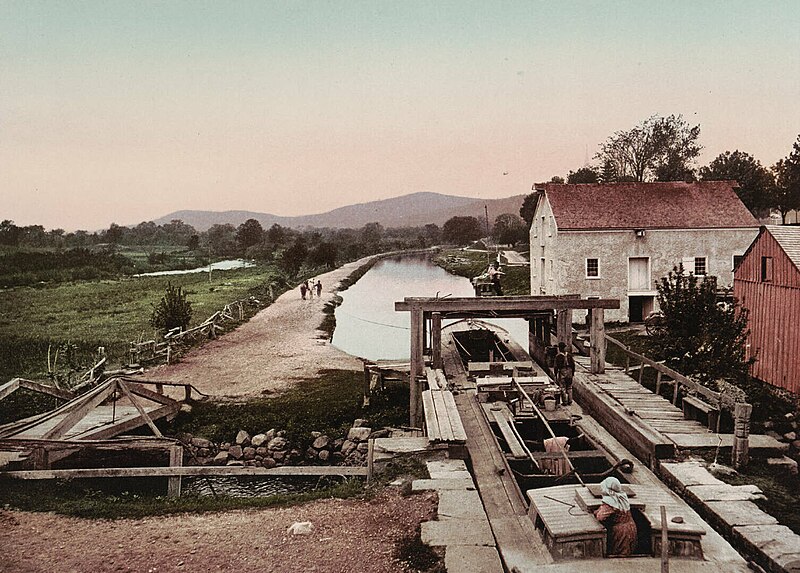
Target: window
592, 268
766, 269
550, 227
736, 260
699, 265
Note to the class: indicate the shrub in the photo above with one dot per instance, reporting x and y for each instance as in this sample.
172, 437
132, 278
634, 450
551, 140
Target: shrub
173, 311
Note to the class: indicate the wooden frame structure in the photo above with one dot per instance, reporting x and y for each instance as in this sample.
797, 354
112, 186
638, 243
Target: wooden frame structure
427, 315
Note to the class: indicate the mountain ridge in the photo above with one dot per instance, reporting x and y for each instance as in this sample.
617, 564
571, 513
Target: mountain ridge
411, 210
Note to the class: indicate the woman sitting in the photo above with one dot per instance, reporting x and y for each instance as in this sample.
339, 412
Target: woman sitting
615, 514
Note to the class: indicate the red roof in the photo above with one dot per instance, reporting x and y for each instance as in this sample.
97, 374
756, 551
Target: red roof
667, 205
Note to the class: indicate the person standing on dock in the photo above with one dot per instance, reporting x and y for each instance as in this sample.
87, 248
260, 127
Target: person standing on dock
565, 372
615, 514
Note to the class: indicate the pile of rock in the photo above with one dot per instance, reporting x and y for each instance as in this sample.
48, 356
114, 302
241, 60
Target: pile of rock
786, 429
272, 448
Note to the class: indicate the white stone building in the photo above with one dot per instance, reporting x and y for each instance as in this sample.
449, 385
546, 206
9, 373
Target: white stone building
616, 240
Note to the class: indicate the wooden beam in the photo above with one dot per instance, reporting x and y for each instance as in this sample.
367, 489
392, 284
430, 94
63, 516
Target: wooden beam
9, 387
417, 365
139, 408
436, 339
104, 432
597, 340
344, 471
564, 326
175, 460
522, 304
79, 409
46, 389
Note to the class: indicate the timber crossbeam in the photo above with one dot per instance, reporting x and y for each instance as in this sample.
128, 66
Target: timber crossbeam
187, 471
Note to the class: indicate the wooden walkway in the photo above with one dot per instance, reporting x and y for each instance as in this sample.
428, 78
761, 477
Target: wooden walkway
654, 410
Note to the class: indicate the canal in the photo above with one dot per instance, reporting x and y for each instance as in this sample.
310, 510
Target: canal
366, 322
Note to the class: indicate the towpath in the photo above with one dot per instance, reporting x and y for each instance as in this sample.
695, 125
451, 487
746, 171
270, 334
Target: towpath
279, 345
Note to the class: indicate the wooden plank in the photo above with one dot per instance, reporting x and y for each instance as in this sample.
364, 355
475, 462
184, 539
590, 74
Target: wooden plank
504, 420
519, 304
81, 408
140, 390
433, 383
459, 434
187, 471
431, 422
416, 369
45, 389
109, 431
9, 387
445, 427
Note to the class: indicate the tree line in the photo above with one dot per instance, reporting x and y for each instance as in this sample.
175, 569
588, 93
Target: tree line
666, 149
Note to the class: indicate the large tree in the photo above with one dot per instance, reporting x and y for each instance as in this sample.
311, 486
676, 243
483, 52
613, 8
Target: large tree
583, 175
528, 208
509, 229
221, 239
755, 181
698, 336
249, 233
461, 230
786, 193
659, 148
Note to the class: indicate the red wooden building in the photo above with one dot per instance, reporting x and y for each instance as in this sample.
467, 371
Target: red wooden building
766, 281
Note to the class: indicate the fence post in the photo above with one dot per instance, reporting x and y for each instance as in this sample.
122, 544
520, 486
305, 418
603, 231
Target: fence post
175, 460
741, 432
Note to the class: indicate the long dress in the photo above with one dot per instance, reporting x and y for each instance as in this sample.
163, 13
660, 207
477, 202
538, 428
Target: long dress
621, 530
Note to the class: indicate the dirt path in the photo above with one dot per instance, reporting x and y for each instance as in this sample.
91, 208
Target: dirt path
347, 536
277, 346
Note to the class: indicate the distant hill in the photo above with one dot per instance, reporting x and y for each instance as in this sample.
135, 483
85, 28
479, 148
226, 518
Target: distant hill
411, 210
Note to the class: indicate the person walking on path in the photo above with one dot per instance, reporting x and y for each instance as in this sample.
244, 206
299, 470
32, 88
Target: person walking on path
310, 290
318, 286
615, 514
303, 289
565, 372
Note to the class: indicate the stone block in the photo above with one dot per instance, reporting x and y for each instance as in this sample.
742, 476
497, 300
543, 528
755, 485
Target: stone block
441, 484
738, 513
242, 438
457, 532
258, 440
448, 469
726, 492
358, 434
472, 559
460, 504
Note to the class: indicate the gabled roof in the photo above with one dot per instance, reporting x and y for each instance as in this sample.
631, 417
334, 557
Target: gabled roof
663, 205
789, 240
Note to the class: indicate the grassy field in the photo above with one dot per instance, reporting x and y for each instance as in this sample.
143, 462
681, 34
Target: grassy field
110, 313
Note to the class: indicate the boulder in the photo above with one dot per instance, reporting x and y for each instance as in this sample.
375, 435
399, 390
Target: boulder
220, 459
224, 445
258, 440
384, 433
311, 454
278, 443
321, 442
316, 435
348, 447
279, 455
201, 443
796, 445
203, 452
789, 416
360, 423
242, 438
249, 453
280, 434
186, 408
262, 451
337, 443
294, 456
269, 463
790, 436
363, 447
323, 455
769, 424
359, 434
235, 463
270, 434
235, 452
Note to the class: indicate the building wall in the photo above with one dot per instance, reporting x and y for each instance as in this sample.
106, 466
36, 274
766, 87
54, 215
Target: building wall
544, 239
664, 248
773, 313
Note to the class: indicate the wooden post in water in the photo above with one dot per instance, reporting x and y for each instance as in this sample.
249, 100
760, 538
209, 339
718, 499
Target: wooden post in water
564, 326
417, 366
740, 455
175, 460
436, 339
597, 335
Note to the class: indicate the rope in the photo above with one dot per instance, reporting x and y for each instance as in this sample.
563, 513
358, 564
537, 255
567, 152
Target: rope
374, 322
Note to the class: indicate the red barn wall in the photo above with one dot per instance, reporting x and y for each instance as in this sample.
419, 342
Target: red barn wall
774, 313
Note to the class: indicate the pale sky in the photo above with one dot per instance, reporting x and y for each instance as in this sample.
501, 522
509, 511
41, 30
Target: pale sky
123, 111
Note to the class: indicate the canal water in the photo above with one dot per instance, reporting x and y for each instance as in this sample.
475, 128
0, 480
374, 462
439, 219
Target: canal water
218, 266
367, 324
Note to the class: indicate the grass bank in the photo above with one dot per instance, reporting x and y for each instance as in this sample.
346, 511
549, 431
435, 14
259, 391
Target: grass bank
81, 316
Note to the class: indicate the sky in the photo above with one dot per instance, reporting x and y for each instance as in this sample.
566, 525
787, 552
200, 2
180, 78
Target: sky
120, 111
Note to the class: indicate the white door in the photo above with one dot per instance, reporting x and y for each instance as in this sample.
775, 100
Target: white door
639, 274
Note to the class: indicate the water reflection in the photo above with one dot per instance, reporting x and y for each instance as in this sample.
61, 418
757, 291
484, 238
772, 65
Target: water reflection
366, 322
218, 266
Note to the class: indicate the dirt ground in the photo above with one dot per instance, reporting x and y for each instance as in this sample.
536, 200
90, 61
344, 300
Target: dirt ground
348, 536
277, 346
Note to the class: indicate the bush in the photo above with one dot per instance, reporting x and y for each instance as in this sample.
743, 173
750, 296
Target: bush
173, 311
